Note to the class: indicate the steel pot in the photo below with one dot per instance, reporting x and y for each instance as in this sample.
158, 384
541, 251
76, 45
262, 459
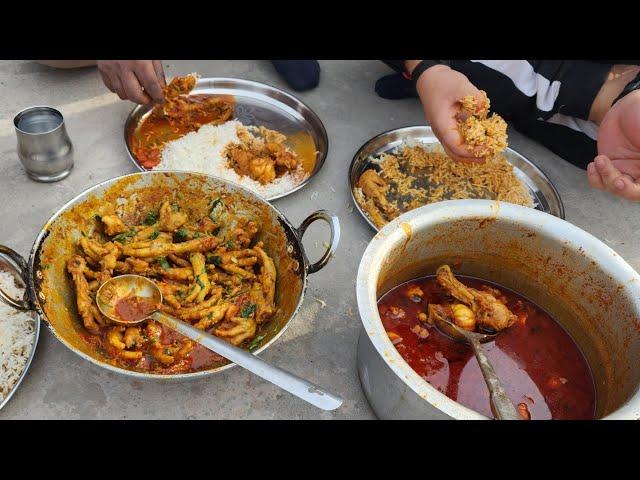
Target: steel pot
50, 290
585, 285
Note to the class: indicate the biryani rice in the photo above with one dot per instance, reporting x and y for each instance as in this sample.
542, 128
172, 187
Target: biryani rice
484, 136
417, 175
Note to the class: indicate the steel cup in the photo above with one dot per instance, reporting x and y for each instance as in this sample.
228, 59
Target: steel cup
44, 148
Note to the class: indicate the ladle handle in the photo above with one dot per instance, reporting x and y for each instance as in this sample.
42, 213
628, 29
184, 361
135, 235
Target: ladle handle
501, 404
334, 226
297, 386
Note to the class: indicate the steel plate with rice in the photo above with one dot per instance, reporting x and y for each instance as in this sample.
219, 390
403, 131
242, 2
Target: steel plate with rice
19, 329
248, 110
523, 182
52, 281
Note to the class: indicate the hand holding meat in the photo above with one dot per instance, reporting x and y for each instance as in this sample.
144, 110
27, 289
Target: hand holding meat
440, 89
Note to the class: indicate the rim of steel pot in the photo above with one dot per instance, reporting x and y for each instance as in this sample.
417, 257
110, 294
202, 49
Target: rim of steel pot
33, 302
395, 232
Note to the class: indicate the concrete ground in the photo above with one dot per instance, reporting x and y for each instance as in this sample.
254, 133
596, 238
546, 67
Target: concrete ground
320, 343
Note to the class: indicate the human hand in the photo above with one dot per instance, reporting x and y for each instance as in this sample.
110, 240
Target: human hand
440, 89
140, 81
616, 169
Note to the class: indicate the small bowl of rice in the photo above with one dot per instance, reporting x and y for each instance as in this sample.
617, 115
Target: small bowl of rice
18, 335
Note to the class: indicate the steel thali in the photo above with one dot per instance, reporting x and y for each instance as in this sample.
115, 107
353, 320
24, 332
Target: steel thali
544, 193
255, 104
15, 266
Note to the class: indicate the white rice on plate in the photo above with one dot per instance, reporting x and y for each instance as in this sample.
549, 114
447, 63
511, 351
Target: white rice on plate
202, 151
17, 335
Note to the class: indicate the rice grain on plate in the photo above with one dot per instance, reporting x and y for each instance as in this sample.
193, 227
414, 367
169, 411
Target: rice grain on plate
203, 152
17, 334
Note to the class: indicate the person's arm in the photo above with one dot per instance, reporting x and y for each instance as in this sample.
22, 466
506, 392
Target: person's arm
574, 88
616, 169
140, 81
68, 63
579, 89
566, 87
540, 90
589, 91
618, 77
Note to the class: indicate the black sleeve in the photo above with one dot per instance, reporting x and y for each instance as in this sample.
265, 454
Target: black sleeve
538, 88
579, 81
529, 93
397, 65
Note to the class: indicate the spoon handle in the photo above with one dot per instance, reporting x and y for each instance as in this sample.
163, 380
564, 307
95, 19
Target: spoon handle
501, 405
287, 381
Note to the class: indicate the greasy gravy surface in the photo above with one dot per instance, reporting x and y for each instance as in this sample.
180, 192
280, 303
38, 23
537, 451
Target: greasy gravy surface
537, 362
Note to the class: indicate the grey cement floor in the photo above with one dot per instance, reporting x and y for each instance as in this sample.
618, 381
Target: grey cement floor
321, 342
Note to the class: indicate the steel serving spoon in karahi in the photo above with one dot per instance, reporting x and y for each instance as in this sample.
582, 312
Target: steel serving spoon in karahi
132, 299
501, 405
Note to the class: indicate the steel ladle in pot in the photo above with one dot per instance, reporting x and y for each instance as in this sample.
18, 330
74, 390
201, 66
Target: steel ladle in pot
135, 286
501, 405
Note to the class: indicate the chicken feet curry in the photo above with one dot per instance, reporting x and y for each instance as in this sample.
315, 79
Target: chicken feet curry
211, 271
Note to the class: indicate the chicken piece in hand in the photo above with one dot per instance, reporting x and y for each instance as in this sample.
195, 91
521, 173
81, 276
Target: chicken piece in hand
180, 86
490, 313
484, 136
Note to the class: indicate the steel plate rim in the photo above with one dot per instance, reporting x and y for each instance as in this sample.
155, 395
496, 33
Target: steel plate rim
354, 161
320, 161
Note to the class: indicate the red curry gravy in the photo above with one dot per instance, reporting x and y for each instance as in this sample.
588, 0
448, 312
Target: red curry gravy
536, 360
200, 358
134, 308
